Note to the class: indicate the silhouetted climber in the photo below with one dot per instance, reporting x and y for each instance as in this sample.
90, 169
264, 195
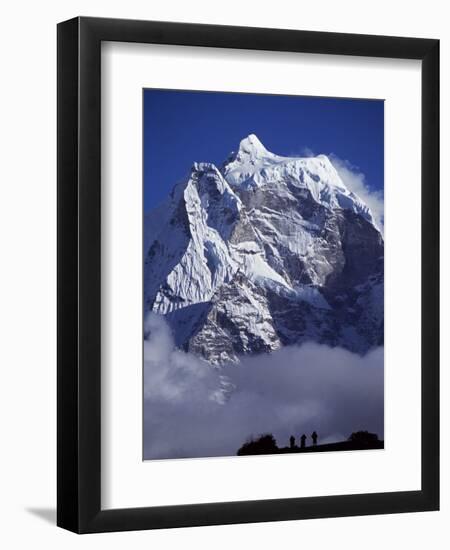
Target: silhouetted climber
314, 437
303, 441
292, 441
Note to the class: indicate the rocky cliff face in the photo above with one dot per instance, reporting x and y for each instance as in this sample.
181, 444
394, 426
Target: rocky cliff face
263, 252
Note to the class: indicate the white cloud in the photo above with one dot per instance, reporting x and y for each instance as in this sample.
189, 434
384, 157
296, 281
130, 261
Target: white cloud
193, 409
355, 180
306, 152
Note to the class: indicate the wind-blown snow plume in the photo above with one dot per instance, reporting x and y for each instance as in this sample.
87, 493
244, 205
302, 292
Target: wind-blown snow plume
355, 180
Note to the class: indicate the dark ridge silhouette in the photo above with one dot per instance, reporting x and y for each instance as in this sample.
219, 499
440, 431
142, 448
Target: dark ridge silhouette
266, 444
363, 437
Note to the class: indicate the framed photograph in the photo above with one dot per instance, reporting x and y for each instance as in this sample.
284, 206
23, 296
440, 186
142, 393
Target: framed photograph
248, 256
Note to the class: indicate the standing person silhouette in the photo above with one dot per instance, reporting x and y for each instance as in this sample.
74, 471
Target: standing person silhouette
314, 437
303, 441
292, 441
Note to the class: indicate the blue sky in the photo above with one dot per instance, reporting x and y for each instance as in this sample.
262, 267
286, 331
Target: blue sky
182, 127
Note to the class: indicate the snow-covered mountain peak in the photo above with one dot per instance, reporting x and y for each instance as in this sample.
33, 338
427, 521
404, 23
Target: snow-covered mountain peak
253, 167
252, 147
251, 157
206, 178
267, 251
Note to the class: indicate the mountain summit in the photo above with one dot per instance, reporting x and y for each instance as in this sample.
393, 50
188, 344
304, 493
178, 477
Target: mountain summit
252, 148
263, 252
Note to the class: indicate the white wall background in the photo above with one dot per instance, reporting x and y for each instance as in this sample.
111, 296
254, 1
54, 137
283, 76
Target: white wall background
28, 269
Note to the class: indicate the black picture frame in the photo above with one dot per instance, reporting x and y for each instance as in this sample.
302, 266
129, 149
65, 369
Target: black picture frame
79, 280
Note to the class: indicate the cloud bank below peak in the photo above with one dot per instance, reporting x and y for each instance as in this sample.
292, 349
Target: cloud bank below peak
194, 410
